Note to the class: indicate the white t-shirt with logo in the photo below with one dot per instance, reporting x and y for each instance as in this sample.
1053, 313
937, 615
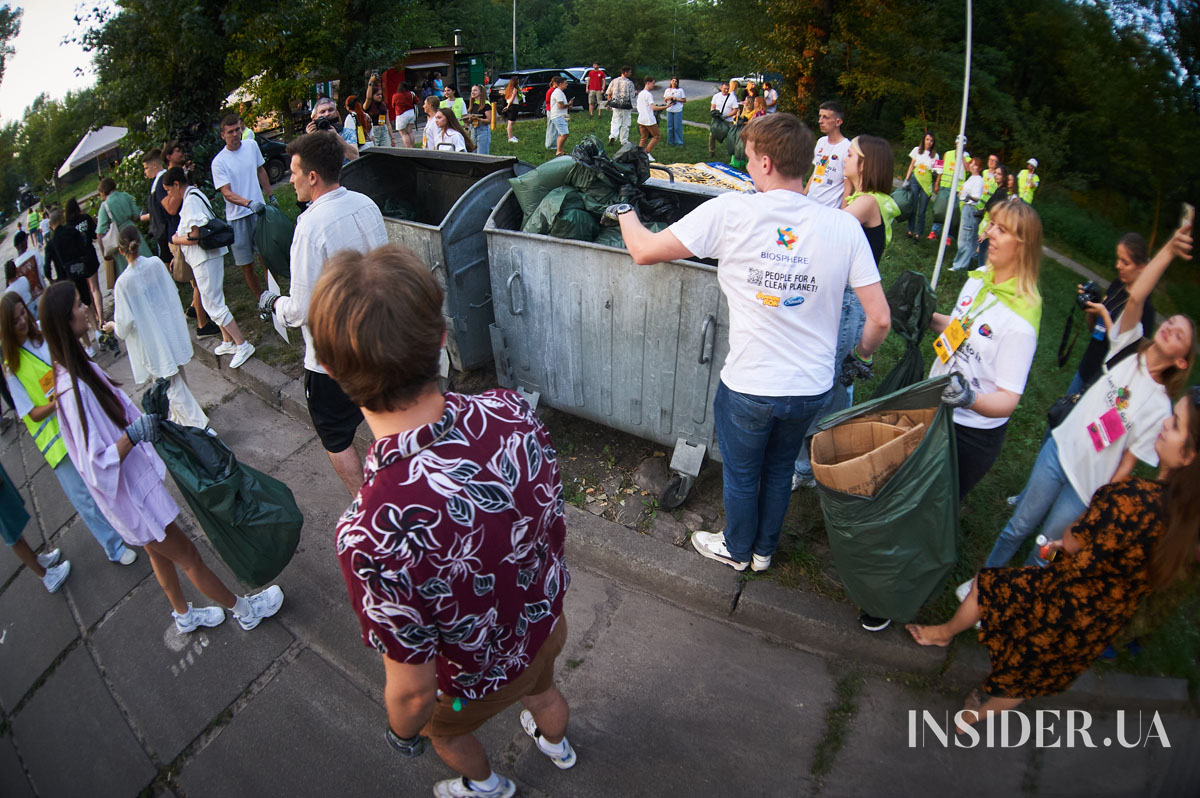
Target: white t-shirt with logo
1142, 403
238, 169
829, 172
645, 107
783, 263
996, 355
556, 97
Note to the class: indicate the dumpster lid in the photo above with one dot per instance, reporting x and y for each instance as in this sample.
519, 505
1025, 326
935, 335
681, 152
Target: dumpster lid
912, 397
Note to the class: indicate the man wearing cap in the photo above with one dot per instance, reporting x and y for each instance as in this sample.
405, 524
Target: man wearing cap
1027, 181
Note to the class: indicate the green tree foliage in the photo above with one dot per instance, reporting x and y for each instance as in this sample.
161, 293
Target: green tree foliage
49, 131
10, 26
11, 172
633, 32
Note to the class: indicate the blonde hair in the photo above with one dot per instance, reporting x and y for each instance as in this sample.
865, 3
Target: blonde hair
1023, 222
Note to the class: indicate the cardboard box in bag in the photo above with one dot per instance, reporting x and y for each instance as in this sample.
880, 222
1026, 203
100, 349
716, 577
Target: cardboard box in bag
860, 456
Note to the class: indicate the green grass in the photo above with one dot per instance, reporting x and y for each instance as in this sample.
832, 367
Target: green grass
837, 723
77, 190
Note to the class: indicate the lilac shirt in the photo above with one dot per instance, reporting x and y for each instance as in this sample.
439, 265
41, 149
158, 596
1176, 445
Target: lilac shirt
130, 493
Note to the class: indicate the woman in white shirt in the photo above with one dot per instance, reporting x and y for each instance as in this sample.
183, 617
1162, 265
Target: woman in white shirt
450, 134
968, 223
428, 136
674, 97
920, 164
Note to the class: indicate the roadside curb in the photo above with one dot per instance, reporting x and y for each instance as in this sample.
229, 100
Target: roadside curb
794, 616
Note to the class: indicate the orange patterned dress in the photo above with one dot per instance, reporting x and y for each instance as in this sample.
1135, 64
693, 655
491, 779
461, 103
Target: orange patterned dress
1045, 626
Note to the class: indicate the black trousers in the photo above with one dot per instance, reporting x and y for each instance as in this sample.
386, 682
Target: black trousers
977, 451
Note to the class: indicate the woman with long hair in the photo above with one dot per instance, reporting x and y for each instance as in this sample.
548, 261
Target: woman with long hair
1043, 627
450, 133
512, 104
108, 440
86, 225
920, 163
430, 106
998, 196
356, 117
377, 111
479, 116
29, 377
674, 97
404, 110
989, 339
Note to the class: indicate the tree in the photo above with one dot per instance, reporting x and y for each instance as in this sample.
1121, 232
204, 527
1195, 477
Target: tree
10, 26
49, 131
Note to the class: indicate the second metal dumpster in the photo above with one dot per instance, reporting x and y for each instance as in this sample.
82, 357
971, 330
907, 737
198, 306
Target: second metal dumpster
636, 348
436, 203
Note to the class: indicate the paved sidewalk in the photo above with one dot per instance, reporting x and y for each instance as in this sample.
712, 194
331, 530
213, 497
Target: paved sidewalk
101, 697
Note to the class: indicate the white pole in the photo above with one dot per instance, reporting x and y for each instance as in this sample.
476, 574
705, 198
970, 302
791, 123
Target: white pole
514, 35
958, 158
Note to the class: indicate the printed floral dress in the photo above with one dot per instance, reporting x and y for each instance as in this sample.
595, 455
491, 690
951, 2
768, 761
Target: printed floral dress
1045, 626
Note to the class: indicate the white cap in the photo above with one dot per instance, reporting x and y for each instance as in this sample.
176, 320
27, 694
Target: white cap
1032, 162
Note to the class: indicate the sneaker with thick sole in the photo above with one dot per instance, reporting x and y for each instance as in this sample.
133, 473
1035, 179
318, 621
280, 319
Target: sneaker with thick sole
195, 617
262, 605
461, 788
873, 624
962, 591
712, 546
799, 481
128, 557
56, 575
562, 761
208, 330
759, 563
225, 348
49, 559
242, 354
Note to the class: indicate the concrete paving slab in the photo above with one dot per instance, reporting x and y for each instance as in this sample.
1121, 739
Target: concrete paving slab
1111, 769
73, 739
347, 757
876, 758
175, 685
13, 781
52, 505
96, 583
257, 435
35, 627
208, 385
10, 454
30, 456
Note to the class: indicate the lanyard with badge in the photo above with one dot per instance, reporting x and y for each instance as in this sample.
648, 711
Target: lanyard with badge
959, 329
1110, 427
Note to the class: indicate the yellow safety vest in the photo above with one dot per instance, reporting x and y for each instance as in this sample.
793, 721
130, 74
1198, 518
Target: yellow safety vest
1026, 184
37, 377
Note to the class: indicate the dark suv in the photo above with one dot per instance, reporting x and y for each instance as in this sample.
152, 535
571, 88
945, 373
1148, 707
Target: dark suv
534, 83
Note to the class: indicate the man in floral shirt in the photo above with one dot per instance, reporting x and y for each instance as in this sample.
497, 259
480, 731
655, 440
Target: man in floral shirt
452, 550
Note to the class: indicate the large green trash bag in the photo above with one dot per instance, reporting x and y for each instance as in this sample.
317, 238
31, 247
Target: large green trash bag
912, 302
904, 199
598, 192
719, 127
939, 203
895, 550
543, 216
611, 236
575, 223
273, 238
251, 519
532, 187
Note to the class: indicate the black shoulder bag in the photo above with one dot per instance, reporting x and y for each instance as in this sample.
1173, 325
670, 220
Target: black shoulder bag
216, 233
1063, 406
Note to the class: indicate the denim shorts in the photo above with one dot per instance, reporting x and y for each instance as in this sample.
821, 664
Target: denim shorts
560, 124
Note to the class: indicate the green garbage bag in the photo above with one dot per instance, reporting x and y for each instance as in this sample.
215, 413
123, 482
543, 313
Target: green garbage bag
598, 192
576, 223
251, 519
894, 550
939, 203
532, 187
548, 210
904, 200
912, 302
719, 127
273, 238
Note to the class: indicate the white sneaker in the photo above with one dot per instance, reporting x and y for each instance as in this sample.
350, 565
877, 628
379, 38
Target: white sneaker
128, 557
962, 591
1012, 501
513, 140
50, 558
262, 605
195, 617
759, 563
460, 788
56, 576
242, 354
712, 546
650, 158
802, 482
225, 348
562, 761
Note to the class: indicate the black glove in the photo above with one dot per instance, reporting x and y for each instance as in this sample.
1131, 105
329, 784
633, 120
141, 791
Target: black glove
855, 368
958, 392
411, 747
143, 429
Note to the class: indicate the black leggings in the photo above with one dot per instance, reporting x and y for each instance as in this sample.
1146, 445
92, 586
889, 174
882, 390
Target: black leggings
6, 395
977, 450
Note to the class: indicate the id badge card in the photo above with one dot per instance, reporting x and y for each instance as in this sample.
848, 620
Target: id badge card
921, 169
820, 170
1106, 430
46, 383
382, 120
946, 344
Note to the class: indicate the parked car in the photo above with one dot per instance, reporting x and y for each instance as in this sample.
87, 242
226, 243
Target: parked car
534, 83
278, 164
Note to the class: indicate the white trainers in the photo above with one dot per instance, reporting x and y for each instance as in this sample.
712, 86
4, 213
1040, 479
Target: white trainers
563, 760
195, 617
962, 591
128, 557
712, 546
225, 348
55, 576
513, 140
242, 354
461, 788
262, 605
50, 558
759, 563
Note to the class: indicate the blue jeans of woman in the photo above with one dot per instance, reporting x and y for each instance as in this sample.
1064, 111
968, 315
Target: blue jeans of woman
483, 140
675, 128
916, 222
759, 438
1048, 501
968, 234
81, 499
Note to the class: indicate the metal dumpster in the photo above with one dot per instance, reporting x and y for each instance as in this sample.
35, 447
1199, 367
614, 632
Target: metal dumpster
585, 329
446, 197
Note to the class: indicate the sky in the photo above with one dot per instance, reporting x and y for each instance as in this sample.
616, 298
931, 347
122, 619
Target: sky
42, 62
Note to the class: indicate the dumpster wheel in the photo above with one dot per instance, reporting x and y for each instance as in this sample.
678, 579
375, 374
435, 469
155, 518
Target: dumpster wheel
676, 491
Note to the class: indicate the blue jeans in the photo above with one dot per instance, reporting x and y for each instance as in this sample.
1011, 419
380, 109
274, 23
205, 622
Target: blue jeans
968, 233
759, 437
916, 222
81, 499
483, 140
854, 318
1048, 501
675, 129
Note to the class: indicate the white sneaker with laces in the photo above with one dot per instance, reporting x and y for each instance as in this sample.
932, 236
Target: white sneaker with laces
461, 788
712, 546
225, 348
242, 354
563, 760
759, 563
513, 140
262, 605
50, 558
195, 617
56, 575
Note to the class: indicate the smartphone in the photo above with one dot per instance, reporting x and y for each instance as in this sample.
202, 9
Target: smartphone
1189, 214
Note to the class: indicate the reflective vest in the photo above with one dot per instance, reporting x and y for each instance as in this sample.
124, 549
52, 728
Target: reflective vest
1027, 184
37, 377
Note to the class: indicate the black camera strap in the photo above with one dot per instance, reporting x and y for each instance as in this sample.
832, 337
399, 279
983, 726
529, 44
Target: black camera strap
1065, 347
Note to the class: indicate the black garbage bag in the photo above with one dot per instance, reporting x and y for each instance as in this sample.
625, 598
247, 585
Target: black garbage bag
635, 158
588, 150
912, 302
598, 192
251, 519
656, 206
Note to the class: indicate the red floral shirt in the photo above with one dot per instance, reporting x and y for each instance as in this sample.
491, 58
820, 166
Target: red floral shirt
454, 545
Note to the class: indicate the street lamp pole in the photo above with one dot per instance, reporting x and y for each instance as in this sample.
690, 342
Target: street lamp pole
514, 35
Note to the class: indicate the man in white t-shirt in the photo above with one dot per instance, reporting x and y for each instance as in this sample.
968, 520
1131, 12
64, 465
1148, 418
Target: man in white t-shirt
727, 104
336, 219
557, 117
782, 263
239, 174
647, 118
828, 184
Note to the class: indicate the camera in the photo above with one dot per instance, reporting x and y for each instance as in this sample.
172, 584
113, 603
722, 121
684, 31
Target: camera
324, 123
1088, 292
